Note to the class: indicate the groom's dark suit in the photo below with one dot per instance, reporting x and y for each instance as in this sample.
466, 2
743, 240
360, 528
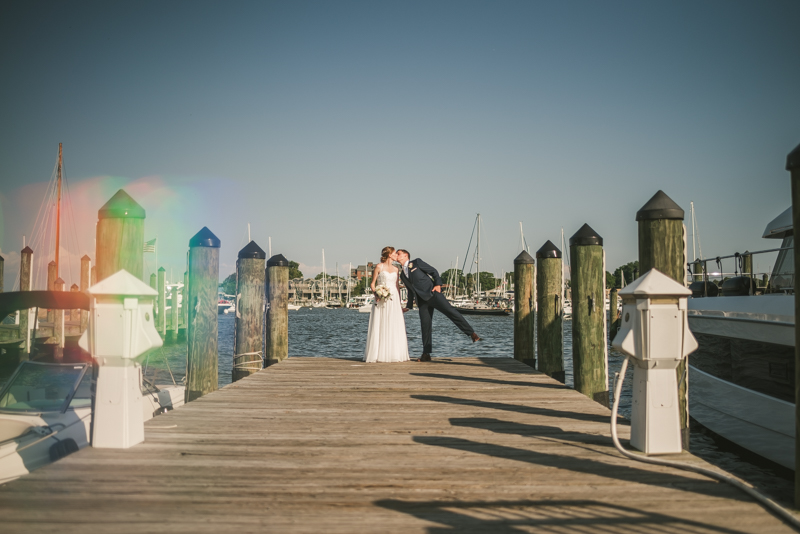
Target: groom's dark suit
420, 282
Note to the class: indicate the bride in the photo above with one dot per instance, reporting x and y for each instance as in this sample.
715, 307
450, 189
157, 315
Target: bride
386, 337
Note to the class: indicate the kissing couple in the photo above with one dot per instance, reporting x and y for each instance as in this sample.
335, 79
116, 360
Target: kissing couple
386, 336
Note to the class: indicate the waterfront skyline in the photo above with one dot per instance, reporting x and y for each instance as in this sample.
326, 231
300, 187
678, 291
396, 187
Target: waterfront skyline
350, 126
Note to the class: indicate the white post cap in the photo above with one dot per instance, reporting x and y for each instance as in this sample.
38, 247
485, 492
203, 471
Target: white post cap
654, 283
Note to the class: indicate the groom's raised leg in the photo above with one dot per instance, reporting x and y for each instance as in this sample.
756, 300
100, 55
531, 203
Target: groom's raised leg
426, 325
441, 303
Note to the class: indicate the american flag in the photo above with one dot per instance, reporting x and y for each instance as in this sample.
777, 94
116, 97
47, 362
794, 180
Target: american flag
150, 246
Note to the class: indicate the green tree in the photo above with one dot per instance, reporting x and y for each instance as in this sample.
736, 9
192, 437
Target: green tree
457, 276
611, 281
488, 282
228, 286
294, 270
627, 270
361, 286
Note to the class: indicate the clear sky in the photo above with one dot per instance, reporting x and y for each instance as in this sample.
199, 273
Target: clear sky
350, 126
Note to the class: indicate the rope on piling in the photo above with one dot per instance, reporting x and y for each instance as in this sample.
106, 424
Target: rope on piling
247, 363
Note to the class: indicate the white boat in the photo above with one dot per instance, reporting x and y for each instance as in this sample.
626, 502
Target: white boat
294, 306
230, 309
46, 413
365, 303
741, 379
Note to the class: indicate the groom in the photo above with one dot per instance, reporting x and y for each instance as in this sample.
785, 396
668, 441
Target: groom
417, 277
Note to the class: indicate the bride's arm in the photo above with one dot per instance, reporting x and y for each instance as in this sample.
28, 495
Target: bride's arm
375, 271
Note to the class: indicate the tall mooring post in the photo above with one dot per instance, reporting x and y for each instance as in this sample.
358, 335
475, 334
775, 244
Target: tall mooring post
549, 298
185, 306
2, 271
161, 287
613, 313
589, 341
26, 317
173, 313
120, 237
58, 325
661, 247
52, 275
524, 309
86, 268
793, 166
202, 364
277, 317
248, 332
74, 315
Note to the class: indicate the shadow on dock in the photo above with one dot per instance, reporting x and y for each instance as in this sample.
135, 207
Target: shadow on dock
503, 517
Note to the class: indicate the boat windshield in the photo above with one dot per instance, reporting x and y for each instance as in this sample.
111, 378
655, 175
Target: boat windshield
783, 273
41, 387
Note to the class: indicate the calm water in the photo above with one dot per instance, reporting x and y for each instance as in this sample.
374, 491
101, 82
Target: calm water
343, 333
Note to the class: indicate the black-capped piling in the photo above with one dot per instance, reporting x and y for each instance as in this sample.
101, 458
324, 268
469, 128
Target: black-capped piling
202, 364
161, 316
173, 313
86, 270
52, 276
57, 340
589, 347
120, 237
524, 309
549, 315
25, 316
661, 247
277, 328
248, 332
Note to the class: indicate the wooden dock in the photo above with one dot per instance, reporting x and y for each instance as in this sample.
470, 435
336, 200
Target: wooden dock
331, 445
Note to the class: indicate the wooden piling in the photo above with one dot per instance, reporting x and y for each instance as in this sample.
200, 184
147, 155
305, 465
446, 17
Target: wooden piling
613, 313
25, 316
58, 325
173, 313
549, 298
202, 364
185, 305
74, 315
248, 340
120, 237
276, 346
2, 272
161, 318
589, 345
661, 247
93, 275
793, 166
86, 268
524, 310
52, 276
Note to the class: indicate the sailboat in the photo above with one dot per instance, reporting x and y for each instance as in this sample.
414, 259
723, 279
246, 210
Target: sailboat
476, 307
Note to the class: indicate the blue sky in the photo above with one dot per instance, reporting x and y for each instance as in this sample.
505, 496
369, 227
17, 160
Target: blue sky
350, 126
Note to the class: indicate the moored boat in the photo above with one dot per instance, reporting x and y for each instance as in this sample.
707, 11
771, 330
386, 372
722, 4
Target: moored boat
742, 378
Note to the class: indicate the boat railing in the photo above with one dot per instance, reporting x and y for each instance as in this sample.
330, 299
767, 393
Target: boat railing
698, 269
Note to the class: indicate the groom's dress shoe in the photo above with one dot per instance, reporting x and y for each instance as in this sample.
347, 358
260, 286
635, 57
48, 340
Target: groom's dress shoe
475, 337
425, 358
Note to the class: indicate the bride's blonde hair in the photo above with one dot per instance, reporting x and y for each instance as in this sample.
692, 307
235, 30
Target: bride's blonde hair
385, 253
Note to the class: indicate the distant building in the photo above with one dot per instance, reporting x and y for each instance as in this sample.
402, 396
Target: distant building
361, 271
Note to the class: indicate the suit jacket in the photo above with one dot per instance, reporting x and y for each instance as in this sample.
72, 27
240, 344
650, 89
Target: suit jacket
420, 281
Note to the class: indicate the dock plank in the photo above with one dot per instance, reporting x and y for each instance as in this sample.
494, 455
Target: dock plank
333, 445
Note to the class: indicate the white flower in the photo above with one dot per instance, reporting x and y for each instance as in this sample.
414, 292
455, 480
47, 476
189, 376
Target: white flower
382, 293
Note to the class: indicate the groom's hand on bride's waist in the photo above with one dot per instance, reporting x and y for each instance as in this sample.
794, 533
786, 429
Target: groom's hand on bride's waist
438, 289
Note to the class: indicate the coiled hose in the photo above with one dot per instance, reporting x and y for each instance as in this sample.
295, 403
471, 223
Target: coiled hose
765, 501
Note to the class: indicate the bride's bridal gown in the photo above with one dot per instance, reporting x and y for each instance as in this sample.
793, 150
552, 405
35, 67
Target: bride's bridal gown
386, 337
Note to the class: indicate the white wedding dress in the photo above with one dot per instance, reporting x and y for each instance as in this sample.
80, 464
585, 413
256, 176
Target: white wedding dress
386, 337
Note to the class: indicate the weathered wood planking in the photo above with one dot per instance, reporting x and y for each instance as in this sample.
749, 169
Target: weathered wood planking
325, 445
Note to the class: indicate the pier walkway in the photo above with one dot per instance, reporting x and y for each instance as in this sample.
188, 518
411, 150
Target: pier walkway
331, 445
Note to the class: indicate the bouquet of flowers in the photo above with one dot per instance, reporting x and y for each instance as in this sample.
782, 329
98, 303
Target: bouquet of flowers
382, 293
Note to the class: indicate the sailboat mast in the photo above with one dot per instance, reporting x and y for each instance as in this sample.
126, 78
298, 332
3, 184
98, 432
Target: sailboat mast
694, 248
58, 211
323, 276
478, 254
